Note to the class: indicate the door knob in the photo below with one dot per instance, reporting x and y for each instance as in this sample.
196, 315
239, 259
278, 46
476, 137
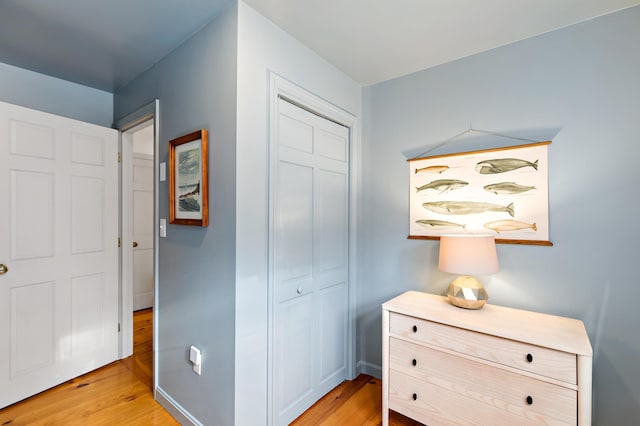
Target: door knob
3, 269
135, 244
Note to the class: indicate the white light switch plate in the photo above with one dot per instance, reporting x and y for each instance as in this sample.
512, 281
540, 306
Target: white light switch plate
163, 171
163, 228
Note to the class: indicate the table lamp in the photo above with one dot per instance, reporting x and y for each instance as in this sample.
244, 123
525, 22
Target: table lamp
467, 255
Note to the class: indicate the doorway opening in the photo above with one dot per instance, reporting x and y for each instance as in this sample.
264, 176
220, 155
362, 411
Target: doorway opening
137, 218
139, 240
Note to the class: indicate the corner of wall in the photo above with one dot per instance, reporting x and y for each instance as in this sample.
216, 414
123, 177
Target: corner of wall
364, 367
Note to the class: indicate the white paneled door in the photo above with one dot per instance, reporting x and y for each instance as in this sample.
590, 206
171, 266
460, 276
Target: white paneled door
310, 259
142, 230
58, 248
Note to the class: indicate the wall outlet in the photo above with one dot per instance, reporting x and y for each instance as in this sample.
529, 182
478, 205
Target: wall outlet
195, 356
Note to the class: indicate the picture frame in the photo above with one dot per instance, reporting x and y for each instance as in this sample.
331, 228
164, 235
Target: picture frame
188, 179
502, 191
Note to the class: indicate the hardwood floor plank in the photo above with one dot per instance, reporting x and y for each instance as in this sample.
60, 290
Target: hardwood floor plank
120, 394
356, 402
141, 362
110, 395
116, 394
361, 409
331, 402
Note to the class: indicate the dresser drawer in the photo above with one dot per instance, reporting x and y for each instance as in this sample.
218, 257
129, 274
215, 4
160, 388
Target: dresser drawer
434, 387
535, 359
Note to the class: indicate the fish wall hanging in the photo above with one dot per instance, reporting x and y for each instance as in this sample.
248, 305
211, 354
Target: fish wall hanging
501, 191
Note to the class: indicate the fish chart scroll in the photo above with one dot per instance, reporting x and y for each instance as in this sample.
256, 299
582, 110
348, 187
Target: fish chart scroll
502, 191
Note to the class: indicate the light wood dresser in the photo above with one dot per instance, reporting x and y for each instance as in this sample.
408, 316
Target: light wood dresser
443, 365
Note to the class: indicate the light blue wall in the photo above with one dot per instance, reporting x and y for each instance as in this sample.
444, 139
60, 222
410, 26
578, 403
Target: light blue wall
53, 95
196, 86
583, 80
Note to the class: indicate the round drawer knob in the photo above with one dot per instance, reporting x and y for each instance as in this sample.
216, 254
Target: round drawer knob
529, 400
414, 362
529, 358
415, 328
415, 396
299, 290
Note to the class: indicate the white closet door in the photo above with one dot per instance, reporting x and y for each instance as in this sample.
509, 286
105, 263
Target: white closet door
58, 239
310, 258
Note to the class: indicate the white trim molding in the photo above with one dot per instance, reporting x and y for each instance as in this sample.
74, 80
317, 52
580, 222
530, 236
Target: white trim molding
176, 410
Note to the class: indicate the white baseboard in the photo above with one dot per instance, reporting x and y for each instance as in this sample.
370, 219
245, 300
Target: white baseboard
364, 367
176, 410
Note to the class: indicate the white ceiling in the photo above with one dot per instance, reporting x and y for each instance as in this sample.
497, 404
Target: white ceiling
376, 40
107, 43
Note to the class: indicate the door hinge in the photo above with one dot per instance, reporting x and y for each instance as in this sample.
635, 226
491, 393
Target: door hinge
118, 327
119, 158
119, 242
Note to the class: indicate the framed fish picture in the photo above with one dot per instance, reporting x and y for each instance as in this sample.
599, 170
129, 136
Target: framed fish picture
502, 191
188, 179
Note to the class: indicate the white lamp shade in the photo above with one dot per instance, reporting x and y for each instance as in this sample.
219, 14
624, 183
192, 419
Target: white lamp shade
468, 254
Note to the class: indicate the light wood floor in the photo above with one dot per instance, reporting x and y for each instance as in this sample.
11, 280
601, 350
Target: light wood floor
117, 394
141, 363
353, 403
120, 394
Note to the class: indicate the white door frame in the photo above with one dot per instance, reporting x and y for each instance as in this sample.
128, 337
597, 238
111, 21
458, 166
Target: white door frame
127, 126
279, 87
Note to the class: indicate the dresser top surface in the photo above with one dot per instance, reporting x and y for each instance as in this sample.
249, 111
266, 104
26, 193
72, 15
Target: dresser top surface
560, 333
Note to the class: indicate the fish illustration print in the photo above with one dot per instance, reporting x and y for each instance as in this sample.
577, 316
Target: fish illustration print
502, 165
433, 169
507, 188
439, 224
466, 207
509, 225
443, 185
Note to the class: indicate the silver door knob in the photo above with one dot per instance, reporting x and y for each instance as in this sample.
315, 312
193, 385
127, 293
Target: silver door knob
135, 244
299, 290
3, 269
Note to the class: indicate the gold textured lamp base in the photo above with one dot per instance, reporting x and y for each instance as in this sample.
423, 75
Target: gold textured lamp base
467, 292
